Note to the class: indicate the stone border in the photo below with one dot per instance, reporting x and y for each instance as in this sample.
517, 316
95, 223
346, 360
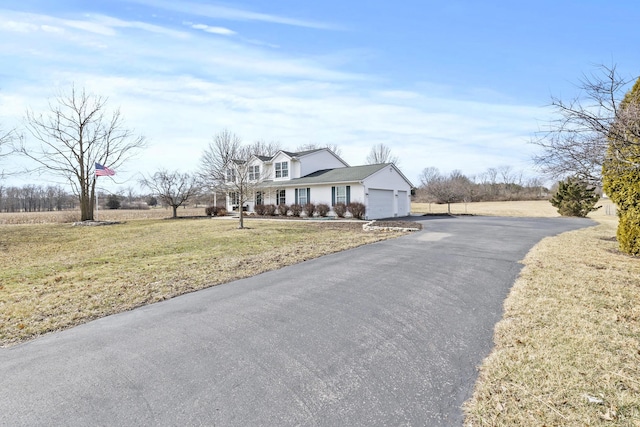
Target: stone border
370, 226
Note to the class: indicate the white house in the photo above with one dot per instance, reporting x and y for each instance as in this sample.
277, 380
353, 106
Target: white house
320, 176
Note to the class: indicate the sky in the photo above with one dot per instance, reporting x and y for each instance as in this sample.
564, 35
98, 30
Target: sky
458, 84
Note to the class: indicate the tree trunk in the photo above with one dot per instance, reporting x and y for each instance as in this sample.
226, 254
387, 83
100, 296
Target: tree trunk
241, 217
86, 203
175, 211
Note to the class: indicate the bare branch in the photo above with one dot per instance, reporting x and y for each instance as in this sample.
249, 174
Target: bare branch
576, 141
73, 135
173, 188
380, 153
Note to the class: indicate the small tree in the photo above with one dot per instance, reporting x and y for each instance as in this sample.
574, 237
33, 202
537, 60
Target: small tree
113, 201
173, 188
226, 165
574, 198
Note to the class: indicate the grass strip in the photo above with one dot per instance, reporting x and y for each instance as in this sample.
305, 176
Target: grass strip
567, 351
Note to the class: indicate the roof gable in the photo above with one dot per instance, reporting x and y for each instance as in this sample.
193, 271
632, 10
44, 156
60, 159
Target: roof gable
339, 175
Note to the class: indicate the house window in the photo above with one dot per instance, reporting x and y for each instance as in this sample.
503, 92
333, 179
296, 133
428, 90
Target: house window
259, 198
341, 194
302, 196
282, 169
231, 175
254, 173
281, 197
234, 198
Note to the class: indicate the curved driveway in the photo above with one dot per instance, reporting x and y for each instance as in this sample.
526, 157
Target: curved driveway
385, 334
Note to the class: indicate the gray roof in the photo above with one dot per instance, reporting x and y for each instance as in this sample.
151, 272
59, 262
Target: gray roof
301, 153
331, 176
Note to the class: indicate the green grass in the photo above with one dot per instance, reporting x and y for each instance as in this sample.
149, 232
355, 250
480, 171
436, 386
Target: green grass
55, 276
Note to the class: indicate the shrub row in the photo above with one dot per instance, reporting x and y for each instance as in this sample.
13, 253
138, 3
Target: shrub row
215, 211
357, 210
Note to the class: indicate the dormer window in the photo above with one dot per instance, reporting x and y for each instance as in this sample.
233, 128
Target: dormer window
231, 175
254, 173
282, 169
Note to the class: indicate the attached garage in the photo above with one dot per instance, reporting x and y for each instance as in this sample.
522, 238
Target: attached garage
403, 203
381, 204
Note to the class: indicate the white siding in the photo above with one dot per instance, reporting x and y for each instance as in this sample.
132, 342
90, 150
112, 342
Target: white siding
319, 160
281, 157
387, 178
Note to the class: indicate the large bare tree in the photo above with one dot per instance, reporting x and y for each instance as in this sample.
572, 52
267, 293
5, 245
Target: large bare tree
77, 132
576, 140
226, 165
173, 188
6, 137
380, 153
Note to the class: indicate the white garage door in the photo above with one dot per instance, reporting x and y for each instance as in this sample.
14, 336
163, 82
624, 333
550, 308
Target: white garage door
380, 204
403, 202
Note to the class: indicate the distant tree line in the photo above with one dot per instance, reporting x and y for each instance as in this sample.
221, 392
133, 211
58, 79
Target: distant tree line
33, 198
495, 184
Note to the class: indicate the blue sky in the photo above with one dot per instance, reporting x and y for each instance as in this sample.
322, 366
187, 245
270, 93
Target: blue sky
456, 84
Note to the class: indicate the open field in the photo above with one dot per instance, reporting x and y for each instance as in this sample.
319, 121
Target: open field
55, 276
103, 215
535, 208
567, 351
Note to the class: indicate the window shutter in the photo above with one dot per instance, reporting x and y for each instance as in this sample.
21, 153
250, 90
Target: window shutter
333, 196
308, 195
348, 194
296, 196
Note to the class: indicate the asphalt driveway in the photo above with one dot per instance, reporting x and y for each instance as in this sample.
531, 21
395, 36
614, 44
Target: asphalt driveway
385, 334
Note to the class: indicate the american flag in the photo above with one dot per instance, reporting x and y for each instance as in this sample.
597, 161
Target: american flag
104, 171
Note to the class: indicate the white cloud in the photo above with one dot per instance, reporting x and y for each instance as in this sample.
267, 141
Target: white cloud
19, 27
231, 13
180, 88
213, 30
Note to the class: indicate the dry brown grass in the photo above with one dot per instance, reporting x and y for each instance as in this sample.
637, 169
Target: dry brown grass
55, 276
567, 352
536, 208
103, 215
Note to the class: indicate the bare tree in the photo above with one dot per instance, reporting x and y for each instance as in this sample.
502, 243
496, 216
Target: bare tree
264, 148
173, 188
6, 138
76, 133
576, 142
313, 146
449, 189
380, 153
429, 175
227, 165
